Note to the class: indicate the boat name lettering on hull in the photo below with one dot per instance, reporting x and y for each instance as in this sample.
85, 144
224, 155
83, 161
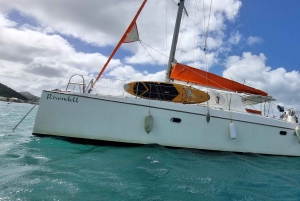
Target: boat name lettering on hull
69, 99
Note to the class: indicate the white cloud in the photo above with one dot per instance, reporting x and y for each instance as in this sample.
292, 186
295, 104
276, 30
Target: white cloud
235, 38
36, 56
129, 73
6, 23
283, 85
80, 19
104, 23
252, 40
248, 67
31, 60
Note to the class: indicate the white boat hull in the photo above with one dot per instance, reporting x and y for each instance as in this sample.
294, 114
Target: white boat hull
115, 119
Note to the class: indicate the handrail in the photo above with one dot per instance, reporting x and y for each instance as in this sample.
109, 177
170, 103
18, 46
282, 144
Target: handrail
83, 83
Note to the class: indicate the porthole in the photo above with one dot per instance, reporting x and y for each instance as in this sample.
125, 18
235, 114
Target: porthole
282, 132
175, 120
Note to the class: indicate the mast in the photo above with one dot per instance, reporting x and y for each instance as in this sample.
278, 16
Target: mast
175, 38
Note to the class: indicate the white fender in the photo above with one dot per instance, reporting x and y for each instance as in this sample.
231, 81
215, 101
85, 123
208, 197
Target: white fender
232, 131
148, 123
291, 119
297, 130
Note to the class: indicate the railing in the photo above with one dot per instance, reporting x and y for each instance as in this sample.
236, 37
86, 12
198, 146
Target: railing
110, 87
114, 87
81, 85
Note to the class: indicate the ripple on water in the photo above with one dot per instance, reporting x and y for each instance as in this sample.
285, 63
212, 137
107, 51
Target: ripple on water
35, 168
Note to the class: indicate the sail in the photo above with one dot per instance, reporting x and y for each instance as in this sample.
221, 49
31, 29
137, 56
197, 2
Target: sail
186, 73
132, 35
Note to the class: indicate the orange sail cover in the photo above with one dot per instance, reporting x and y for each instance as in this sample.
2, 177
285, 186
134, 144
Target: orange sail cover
185, 73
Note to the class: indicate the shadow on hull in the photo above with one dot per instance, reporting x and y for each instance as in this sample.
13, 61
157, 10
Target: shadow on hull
94, 142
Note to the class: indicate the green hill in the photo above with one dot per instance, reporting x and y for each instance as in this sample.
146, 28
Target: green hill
9, 93
30, 96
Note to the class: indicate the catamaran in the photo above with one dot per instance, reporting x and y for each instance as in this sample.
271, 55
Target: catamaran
191, 109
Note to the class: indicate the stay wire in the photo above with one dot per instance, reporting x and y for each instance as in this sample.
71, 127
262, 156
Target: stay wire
205, 50
166, 26
206, 35
183, 27
258, 58
149, 98
194, 39
153, 49
148, 53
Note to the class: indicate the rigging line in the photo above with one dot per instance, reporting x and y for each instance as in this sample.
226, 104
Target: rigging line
206, 77
205, 35
182, 28
205, 45
239, 77
149, 97
132, 24
154, 49
231, 71
254, 48
24, 117
252, 106
292, 100
269, 104
166, 27
272, 110
205, 49
229, 106
202, 24
160, 92
199, 15
203, 16
210, 80
194, 39
148, 53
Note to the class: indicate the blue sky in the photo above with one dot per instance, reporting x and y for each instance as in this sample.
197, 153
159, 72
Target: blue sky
44, 42
277, 23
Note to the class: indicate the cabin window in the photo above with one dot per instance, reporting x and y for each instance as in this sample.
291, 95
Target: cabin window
282, 132
175, 120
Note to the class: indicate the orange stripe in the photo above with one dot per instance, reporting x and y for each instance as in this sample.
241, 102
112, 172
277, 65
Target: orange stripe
253, 111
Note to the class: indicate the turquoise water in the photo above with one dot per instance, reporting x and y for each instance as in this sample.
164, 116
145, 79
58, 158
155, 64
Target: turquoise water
44, 168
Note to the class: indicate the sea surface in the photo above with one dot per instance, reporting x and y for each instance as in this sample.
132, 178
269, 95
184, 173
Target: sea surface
45, 168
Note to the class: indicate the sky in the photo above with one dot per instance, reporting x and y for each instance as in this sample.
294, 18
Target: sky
43, 43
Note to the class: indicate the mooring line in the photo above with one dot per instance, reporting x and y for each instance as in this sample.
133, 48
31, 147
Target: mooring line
24, 117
